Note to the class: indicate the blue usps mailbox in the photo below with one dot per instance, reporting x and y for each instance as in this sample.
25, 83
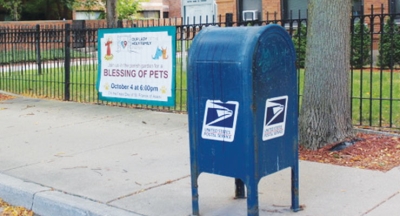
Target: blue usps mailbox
243, 107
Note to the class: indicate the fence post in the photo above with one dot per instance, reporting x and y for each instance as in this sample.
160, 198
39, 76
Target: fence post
37, 45
228, 19
67, 62
120, 24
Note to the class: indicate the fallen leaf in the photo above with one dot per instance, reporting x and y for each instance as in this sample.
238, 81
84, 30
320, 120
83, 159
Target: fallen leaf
372, 151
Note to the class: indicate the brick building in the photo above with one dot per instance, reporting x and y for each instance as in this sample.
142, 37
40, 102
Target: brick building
281, 9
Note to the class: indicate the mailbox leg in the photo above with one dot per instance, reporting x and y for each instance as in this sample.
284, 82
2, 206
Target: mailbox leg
295, 188
239, 189
195, 195
252, 198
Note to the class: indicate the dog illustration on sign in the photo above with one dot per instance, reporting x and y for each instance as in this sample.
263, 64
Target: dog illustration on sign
160, 52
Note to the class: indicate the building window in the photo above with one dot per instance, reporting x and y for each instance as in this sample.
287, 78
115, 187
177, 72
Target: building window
149, 14
357, 7
394, 6
165, 14
88, 15
292, 8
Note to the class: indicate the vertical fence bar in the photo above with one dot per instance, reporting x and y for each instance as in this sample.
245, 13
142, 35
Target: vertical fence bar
391, 100
229, 19
67, 62
372, 29
46, 52
351, 66
391, 23
362, 27
14, 57
381, 56
6, 42
59, 73
37, 43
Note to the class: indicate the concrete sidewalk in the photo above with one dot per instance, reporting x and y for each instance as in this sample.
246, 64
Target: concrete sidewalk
65, 158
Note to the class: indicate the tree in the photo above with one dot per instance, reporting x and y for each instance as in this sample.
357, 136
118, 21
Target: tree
127, 8
111, 13
360, 45
300, 42
121, 9
47, 9
389, 45
325, 112
14, 7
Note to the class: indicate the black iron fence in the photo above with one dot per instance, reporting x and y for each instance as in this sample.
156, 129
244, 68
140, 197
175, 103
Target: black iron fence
60, 61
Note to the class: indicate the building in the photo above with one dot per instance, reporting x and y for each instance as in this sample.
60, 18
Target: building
152, 9
284, 9
264, 9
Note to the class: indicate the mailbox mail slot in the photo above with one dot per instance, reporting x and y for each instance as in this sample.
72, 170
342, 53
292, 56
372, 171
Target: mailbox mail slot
243, 107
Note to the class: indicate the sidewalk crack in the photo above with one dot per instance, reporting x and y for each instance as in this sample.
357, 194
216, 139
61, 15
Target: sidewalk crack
34, 196
146, 189
379, 204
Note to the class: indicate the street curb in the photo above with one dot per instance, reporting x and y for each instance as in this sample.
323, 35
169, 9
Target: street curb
17, 192
45, 201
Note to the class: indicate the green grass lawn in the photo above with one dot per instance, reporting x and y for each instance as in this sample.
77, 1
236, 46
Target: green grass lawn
367, 90
30, 55
50, 84
376, 98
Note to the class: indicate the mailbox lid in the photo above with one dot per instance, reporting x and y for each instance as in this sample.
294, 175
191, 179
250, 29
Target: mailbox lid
231, 44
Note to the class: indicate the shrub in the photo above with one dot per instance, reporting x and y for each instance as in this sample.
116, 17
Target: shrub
389, 45
360, 50
299, 39
360, 46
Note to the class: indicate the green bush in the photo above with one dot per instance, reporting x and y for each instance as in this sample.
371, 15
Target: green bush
389, 45
360, 46
300, 42
299, 39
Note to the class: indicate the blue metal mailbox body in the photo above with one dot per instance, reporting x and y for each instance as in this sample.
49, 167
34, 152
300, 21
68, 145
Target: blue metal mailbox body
243, 107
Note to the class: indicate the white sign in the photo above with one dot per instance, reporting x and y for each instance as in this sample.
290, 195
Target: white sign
199, 11
220, 120
192, 2
136, 65
275, 117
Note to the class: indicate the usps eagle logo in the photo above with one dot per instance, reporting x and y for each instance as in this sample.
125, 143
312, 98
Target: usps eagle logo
219, 121
275, 117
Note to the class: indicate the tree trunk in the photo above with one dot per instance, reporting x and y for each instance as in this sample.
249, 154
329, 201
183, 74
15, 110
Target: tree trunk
112, 17
325, 112
16, 5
